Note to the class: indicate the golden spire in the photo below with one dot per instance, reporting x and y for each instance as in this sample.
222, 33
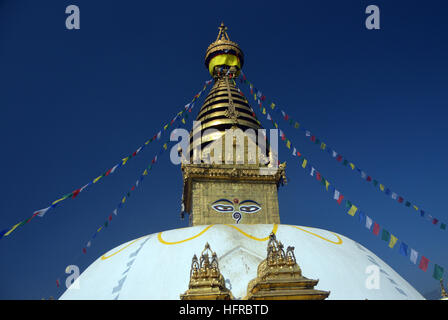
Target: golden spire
223, 52
223, 33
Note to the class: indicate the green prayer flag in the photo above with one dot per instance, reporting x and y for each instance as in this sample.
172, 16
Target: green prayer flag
375, 183
442, 226
348, 204
407, 204
385, 235
438, 272
345, 162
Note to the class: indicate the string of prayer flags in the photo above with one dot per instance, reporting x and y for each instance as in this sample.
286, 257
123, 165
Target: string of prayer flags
127, 195
341, 159
121, 163
365, 220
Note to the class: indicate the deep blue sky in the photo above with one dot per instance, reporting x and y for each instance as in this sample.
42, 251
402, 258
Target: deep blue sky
73, 103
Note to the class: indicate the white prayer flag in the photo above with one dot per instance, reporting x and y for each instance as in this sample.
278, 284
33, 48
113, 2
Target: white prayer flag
336, 195
41, 212
413, 256
369, 222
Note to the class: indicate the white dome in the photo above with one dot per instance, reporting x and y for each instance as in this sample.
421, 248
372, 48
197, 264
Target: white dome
157, 266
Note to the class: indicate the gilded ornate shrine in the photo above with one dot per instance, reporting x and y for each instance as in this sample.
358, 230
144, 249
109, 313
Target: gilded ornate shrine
206, 281
279, 277
231, 174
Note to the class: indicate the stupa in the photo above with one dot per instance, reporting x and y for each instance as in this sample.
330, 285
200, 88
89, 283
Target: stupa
235, 247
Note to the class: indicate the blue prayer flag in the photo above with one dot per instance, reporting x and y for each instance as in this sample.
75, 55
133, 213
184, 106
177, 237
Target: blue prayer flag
404, 249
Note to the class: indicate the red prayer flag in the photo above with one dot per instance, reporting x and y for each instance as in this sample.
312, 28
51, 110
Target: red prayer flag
134, 154
434, 221
423, 263
110, 218
400, 199
133, 188
298, 153
376, 229
108, 172
318, 176
84, 250
340, 198
369, 178
339, 158
57, 283
313, 138
76, 192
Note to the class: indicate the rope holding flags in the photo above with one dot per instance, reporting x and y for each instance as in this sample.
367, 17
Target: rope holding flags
122, 162
352, 209
260, 99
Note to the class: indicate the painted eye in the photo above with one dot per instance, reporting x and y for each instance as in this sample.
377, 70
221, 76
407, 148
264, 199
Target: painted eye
250, 208
222, 208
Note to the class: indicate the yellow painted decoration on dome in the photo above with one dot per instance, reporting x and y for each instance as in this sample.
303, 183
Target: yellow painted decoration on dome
104, 257
227, 59
316, 235
159, 236
274, 230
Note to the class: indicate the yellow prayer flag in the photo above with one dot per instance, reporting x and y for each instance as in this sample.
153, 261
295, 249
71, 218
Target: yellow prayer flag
288, 144
415, 207
255, 97
165, 146
147, 141
323, 146
381, 187
99, 229
352, 210
272, 105
393, 241
145, 172
96, 179
12, 229
327, 184
166, 126
123, 200
304, 163
276, 126
352, 166
125, 160
183, 120
264, 110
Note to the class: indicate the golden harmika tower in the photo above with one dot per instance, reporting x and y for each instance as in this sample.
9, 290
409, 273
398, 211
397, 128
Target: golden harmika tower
231, 174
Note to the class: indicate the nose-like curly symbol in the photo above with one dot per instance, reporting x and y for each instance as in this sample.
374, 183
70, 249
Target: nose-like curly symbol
236, 216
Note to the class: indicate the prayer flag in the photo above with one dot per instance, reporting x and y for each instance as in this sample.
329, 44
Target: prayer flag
414, 256
352, 210
393, 241
438, 272
376, 228
404, 249
443, 226
361, 216
385, 235
369, 222
423, 263
338, 196
304, 163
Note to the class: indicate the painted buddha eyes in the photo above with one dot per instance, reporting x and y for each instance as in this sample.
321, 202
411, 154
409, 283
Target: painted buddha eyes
222, 208
227, 206
250, 209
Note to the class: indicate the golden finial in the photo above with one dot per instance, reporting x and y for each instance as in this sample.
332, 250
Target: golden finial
223, 46
222, 35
